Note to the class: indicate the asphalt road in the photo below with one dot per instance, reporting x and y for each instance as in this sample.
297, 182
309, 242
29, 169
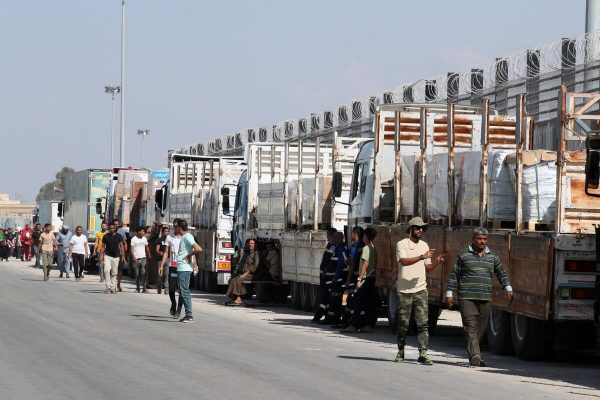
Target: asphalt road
63, 339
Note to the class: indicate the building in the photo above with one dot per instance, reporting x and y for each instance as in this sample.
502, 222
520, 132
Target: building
14, 213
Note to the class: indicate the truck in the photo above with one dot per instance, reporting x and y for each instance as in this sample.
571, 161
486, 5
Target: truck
47, 212
459, 167
82, 191
200, 191
285, 196
126, 199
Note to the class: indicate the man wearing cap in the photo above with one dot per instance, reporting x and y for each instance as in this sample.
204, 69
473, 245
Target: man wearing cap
63, 241
472, 276
414, 261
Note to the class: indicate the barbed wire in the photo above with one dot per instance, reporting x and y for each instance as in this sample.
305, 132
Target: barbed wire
563, 54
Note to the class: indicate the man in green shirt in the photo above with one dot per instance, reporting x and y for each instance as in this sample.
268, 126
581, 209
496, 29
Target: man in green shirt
472, 276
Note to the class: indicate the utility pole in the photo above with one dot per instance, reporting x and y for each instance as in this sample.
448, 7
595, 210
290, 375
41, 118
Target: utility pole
122, 153
112, 90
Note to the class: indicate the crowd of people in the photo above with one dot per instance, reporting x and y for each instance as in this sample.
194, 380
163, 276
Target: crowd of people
348, 299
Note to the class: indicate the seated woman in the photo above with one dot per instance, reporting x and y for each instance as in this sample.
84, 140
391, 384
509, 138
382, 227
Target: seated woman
247, 266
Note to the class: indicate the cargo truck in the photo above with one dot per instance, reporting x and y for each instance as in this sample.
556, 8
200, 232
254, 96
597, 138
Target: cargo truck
47, 212
442, 163
201, 190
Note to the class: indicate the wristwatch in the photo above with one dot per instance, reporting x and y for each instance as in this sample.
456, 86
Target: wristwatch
421, 257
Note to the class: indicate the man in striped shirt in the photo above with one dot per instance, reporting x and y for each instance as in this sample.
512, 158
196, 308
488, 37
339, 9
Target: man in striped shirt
472, 275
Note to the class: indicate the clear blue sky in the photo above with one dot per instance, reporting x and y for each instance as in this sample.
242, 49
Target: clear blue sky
199, 69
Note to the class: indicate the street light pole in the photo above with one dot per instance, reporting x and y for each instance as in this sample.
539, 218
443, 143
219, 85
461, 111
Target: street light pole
143, 133
122, 154
112, 90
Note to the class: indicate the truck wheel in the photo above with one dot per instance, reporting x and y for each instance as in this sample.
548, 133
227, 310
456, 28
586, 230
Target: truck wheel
262, 293
211, 282
433, 317
530, 337
201, 280
280, 294
295, 290
305, 297
498, 333
314, 296
393, 311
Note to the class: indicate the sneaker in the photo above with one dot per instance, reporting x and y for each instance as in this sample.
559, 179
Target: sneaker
106, 291
113, 291
187, 318
176, 315
61, 275
172, 311
399, 356
475, 361
67, 276
424, 358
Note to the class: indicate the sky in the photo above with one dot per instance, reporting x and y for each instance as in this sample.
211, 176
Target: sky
197, 69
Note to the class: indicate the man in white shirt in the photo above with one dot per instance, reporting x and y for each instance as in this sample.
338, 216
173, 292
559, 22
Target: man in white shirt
139, 254
170, 253
78, 252
414, 261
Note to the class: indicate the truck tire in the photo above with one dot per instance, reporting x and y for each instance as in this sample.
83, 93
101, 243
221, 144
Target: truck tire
314, 296
211, 282
263, 293
392, 311
499, 333
433, 317
530, 337
305, 297
295, 290
201, 280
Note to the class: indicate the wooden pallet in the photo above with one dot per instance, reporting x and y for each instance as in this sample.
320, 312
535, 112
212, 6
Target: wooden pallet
501, 224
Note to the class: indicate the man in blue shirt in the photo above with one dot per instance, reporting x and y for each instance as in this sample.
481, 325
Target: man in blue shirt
188, 248
63, 239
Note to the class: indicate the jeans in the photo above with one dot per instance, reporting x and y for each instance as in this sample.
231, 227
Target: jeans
417, 304
184, 290
37, 257
139, 267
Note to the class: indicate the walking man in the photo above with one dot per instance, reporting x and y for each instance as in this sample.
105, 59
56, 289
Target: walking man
325, 277
26, 239
98, 249
170, 253
188, 248
414, 261
78, 252
47, 246
123, 264
140, 253
472, 276
365, 313
35, 240
63, 240
111, 254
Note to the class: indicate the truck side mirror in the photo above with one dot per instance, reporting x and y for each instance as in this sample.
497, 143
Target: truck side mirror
99, 209
225, 201
336, 185
592, 165
61, 206
158, 200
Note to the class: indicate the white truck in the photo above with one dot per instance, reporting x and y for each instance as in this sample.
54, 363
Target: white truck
443, 163
48, 213
200, 190
285, 196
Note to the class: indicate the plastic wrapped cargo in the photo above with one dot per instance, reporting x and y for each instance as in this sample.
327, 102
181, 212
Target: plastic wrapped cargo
408, 183
323, 211
467, 187
502, 199
538, 186
437, 186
